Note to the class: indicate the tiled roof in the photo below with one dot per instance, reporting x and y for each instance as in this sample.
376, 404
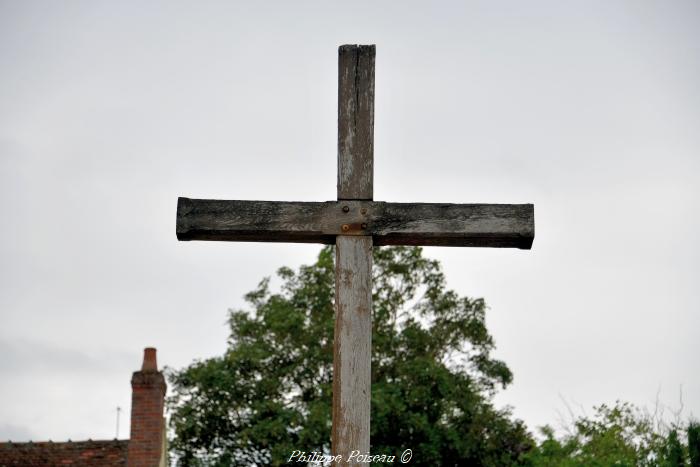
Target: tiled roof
74, 454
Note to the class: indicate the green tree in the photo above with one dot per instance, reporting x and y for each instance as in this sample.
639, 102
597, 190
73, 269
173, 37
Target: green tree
621, 435
694, 443
674, 450
433, 375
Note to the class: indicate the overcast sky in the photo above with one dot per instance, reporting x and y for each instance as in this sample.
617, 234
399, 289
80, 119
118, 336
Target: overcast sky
111, 110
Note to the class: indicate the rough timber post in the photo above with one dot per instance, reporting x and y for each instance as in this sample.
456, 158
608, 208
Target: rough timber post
353, 277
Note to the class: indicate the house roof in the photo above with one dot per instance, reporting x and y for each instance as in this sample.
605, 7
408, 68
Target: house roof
72, 453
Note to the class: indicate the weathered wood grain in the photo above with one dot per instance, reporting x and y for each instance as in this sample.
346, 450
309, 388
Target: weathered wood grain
355, 121
352, 347
476, 225
353, 270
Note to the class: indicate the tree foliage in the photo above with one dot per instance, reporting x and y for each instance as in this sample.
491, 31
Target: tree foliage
694, 443
620, 435
433, 374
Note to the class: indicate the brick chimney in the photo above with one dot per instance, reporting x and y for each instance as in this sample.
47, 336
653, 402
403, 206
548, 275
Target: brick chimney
147, 446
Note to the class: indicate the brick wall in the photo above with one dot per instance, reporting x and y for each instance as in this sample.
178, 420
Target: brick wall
147, 441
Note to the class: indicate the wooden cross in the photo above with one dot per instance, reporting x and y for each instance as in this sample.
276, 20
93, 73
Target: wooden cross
354, 223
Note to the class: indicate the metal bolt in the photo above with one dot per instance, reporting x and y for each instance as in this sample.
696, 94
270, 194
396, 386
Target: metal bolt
345, 227
346, 208
363, 211
364, 226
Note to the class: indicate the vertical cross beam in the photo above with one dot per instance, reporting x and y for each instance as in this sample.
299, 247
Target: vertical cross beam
353, 269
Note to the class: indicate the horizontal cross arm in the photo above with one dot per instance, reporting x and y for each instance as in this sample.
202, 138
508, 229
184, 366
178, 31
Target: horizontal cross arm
482, 225
441, 224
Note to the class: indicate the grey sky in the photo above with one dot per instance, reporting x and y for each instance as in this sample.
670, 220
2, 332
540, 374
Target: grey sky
110, 110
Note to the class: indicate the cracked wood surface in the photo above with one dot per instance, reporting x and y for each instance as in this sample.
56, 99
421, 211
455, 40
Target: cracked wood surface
352, 341
352, 346
436, 224
355, 121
